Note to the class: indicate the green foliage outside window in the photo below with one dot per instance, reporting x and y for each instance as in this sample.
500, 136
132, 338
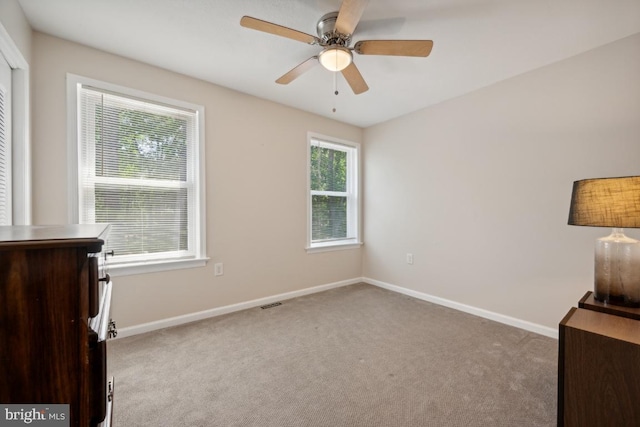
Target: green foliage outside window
329, 212
139, 145
328, 169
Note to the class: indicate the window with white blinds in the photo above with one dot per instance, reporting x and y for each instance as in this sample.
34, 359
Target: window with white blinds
333, 193
138, 170
5, 142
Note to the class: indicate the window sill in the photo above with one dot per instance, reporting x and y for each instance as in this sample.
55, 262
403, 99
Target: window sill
117, 270
333, 246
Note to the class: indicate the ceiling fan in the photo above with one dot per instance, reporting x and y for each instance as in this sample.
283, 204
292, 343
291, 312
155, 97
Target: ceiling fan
335, 30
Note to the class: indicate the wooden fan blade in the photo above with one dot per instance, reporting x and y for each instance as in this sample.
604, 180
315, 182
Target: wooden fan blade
278, 30
298, 70
349, 15
355, 80
394, 47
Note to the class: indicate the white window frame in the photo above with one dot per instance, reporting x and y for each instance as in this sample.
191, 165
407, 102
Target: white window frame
20, 162
352, 194
152, 262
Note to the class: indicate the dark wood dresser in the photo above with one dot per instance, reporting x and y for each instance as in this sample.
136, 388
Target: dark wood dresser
599, 366
54, 319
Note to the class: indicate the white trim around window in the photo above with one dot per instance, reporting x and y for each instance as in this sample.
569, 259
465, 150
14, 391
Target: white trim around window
350, 192
192, 256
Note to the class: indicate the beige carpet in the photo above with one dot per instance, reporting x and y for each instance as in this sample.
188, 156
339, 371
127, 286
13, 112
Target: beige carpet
352, 356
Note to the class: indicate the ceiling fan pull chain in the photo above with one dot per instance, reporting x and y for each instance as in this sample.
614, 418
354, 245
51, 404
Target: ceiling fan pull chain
335, 89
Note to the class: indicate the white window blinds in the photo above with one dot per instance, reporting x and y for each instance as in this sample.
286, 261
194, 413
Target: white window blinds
5, 142
138, 172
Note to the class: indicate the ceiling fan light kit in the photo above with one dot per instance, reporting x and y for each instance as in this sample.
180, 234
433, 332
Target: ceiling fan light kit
335, 30
335, 58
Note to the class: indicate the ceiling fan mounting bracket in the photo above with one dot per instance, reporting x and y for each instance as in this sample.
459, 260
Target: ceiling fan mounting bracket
327, 33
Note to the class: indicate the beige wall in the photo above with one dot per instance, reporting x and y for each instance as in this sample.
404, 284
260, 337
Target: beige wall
255, 186
478, 188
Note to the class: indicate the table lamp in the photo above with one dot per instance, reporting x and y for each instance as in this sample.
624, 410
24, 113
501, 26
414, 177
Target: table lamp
611, 202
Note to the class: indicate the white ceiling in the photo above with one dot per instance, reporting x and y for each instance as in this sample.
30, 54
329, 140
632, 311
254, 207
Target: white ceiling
476, 43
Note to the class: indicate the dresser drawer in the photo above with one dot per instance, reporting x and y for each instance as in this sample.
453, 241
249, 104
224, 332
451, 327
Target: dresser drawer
97, 378
98, 278
107, 422
99, 331
101, 322
94, 286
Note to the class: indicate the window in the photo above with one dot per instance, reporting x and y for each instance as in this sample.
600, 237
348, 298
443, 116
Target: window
15, 157
333, 194
138, 169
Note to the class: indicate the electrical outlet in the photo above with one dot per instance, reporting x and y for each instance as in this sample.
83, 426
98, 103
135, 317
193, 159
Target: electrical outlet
218, 269
409, 258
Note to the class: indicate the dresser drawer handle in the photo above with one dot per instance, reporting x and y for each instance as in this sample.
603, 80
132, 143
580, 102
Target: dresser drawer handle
113, 332
110, 390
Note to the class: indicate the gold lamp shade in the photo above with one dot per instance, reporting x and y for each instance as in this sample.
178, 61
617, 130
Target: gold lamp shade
606, 202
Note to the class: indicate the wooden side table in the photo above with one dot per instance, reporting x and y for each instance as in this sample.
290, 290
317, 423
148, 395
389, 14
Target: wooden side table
599, 365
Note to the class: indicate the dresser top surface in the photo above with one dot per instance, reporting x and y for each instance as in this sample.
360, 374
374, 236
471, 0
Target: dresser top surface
608, 325
67, 235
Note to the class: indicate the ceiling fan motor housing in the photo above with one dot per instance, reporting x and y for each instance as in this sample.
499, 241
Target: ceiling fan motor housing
326, 29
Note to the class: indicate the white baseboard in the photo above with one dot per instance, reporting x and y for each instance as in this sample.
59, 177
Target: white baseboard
192, 317
218, 311
501, 318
